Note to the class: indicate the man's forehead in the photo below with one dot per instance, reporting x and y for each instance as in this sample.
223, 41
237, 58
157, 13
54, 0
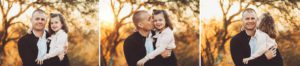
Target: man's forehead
249, 14
39, 14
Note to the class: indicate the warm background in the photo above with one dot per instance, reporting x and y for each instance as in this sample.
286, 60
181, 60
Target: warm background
81, 17
116, 25
221, 20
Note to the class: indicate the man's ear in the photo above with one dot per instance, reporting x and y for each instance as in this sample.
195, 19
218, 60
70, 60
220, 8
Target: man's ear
140, 25
31, 20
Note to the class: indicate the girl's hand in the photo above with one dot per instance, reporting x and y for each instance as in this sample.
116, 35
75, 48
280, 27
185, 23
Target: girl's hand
142, 62
245, 60
166, 53
271, 53
39, 61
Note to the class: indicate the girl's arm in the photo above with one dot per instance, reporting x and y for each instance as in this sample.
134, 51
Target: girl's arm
62, 42
271, 42
261, 45
171, 45
163, 41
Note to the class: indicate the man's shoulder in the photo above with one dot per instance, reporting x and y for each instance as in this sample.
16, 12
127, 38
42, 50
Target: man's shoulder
235, 39
130, 38
26, 36
237, 36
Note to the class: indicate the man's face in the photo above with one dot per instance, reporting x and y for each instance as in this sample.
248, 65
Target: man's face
249, 21
38, 21
146, 22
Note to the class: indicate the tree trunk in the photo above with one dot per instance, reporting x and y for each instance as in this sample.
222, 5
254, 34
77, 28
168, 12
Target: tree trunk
3, 40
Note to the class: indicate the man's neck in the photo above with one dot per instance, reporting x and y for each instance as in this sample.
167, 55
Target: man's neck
38, 33
250, 32
144, 33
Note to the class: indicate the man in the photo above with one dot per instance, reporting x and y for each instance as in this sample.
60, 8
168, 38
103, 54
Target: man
134, 45
35, 43
240, 48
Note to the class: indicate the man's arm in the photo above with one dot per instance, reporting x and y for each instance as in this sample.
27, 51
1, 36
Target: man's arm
23, 52
236, 54
130, 54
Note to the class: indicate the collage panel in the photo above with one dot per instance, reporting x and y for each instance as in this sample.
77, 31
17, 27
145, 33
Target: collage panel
249, 32
149, 32
49, 33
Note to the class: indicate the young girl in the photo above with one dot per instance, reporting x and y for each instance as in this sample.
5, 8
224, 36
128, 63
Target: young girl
59, 40
264, 38
164, 34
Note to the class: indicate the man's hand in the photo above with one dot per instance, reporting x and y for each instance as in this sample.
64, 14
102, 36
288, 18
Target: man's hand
166, 53
271, 53
142, 62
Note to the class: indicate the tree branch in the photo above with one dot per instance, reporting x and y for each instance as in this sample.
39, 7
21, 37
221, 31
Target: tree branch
113, 9
228, 8
235, 20
222, 7
237, 13
9, 6
2, 9
21, 11
132, 11
120, 8
16, 23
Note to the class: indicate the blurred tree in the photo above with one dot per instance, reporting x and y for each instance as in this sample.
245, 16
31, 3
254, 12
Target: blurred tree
113, 39
6, 22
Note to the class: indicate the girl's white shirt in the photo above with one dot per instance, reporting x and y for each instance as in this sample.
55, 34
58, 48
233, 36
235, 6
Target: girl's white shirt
58, 45
165, 40
260, 43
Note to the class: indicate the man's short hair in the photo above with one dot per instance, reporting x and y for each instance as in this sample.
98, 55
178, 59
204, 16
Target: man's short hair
38, 10
136, 18
248, 10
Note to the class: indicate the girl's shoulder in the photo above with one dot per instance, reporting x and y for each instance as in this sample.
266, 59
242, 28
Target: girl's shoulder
168, 30
261, 34
62, 33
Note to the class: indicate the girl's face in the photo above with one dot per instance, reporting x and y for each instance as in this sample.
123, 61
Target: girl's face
55, 24
159, 21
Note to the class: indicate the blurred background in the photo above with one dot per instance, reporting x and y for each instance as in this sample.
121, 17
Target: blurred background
116, 25
221, 20
81, 17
